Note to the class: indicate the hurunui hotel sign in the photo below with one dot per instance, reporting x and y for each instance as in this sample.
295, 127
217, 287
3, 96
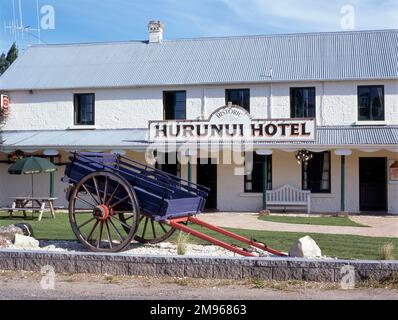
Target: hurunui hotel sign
233, 123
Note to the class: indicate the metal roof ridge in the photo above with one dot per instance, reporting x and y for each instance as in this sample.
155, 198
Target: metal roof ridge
295, 34
72, 130
94, 43
376, 126
252, 36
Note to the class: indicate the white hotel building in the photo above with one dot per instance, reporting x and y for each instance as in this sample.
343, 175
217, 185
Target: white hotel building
102, 97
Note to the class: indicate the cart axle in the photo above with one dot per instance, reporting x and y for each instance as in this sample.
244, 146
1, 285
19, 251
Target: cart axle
102, 212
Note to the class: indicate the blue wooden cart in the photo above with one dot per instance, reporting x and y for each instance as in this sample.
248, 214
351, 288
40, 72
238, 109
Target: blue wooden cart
114, 200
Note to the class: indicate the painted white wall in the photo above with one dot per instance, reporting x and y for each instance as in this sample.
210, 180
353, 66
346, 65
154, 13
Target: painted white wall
133, 108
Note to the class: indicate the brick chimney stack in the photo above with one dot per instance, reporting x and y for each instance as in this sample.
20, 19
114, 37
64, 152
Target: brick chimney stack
155, 29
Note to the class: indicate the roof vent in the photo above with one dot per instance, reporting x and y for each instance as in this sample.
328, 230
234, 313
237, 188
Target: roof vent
155, 29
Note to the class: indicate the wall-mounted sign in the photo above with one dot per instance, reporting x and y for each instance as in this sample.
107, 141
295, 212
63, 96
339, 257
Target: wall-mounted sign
233, 123
4, 104
393, 169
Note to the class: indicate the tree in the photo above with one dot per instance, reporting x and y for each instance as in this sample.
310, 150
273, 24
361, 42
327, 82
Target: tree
7, 60
12, 54
4, 64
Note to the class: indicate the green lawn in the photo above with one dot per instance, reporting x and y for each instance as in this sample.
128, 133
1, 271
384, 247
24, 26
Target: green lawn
320, 221
341, 246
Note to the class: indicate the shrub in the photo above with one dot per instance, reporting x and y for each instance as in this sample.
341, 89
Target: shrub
182, 242
386, 251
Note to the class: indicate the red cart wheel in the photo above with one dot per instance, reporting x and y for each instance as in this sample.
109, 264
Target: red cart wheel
104, 212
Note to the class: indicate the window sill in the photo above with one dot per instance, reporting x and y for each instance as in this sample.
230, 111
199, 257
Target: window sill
323, 195
82, 127
371, 123
251, 195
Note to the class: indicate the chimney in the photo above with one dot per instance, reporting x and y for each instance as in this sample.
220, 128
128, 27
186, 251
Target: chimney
155, 29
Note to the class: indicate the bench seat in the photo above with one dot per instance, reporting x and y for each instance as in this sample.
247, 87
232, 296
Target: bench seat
288, 196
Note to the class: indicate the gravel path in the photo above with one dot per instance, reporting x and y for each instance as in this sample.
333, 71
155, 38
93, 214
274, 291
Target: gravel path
161, 249
85, 287
378, 226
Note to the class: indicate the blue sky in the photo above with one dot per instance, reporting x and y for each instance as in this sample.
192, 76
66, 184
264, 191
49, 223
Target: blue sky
115, 20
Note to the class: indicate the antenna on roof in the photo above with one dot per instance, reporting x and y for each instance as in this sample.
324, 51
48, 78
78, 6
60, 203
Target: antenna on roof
17, 28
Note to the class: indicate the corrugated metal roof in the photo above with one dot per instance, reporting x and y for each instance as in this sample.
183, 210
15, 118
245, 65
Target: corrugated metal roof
351, 136
294, 57
137, 139
74, 139
371, 135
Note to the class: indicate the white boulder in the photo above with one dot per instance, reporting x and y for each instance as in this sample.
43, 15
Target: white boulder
25, 242
305, 248
4, 243
9, 232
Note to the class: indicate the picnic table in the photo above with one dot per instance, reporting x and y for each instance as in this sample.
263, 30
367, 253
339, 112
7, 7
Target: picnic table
34, 204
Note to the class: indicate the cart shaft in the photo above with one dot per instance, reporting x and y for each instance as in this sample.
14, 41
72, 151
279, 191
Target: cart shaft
176, 223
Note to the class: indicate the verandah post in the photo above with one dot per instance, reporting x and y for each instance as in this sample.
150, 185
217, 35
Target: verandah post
342, 183
343, 154
265, 182
52, 181
190, 170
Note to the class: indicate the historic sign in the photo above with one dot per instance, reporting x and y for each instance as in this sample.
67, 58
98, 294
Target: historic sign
394, 171
232, 123
4, 104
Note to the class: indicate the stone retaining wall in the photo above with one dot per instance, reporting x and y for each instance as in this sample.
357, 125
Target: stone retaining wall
194, 267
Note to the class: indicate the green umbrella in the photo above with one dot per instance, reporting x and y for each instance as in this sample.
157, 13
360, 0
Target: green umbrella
32, 165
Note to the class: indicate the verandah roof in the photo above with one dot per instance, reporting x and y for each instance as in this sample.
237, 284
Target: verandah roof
70, 140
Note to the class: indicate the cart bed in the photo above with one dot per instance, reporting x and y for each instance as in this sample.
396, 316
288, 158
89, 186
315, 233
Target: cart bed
161, 195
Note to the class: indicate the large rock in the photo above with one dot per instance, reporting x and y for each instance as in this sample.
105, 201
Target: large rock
4, 243
26, 229
9, 232
305, 248
25, 242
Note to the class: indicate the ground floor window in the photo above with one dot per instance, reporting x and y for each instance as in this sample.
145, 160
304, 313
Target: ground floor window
254, 178
169, 163
316, 173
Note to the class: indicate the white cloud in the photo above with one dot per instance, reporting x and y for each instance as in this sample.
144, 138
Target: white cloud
314, 15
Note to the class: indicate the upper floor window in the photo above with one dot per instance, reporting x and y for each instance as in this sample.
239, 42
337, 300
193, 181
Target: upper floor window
239, 97
254, 180
316, 173
84, 109
302, 102
371, 103
174, 104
